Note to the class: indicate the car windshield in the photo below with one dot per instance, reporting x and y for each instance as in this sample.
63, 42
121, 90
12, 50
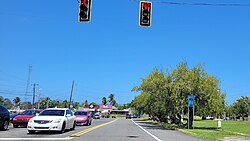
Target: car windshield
30, 112
82, 113
52, 113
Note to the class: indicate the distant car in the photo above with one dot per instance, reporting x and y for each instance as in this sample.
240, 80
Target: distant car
24, 117
12, 116
211, 118
83, 117
96, 116
129, 116
52, 119
113, 115
4, 118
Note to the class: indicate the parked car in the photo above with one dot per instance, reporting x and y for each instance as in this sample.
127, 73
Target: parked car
24, 117
4, 118
52, 119
96, 116
210, 118
12, 116
83, 117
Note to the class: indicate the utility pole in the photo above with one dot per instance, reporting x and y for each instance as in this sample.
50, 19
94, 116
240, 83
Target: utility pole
34, 94
71, 93
39, 93
27, 87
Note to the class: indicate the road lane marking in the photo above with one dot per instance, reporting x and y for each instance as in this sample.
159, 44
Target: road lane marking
147, 131
33, 139
88, 130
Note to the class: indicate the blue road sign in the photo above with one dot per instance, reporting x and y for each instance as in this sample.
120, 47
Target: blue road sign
190, 101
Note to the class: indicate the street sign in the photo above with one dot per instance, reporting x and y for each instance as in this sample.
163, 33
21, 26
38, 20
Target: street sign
190, 101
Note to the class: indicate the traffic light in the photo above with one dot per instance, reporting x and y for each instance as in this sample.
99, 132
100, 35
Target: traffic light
85, 11
145, 13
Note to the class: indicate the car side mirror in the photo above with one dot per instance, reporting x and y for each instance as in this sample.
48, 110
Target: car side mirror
37, 114
68, 115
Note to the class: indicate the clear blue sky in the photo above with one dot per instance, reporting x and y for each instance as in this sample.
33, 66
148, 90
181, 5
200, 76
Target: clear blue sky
112, 53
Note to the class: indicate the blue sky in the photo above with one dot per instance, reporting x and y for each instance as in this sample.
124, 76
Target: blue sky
112, 53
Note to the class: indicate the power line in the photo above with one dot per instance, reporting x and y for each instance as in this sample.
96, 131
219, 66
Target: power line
201, 4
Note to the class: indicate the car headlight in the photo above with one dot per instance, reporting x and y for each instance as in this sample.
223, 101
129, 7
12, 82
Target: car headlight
57, 120
31, 120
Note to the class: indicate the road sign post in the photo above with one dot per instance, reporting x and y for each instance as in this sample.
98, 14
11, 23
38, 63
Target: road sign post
190, 111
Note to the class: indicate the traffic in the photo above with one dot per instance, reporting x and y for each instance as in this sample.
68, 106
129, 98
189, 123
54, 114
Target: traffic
56, 120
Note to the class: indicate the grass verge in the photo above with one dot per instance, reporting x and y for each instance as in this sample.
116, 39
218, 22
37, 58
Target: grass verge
208, 129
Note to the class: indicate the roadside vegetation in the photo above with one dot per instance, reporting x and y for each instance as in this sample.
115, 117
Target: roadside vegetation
164, 94
164, 98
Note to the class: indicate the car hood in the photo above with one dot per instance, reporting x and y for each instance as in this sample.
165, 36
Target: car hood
48, 117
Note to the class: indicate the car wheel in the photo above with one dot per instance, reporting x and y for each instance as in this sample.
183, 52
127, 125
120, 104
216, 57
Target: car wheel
63, 127
74, 126
31, 131
15, 126
5, 125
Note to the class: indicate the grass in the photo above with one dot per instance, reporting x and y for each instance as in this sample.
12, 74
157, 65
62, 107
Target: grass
208, 129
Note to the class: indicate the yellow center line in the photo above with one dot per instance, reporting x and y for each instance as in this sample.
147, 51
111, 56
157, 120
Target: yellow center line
89, 129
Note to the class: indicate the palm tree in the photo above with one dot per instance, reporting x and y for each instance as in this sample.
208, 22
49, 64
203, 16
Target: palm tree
17, 101
111, 98
104, 101
85, 103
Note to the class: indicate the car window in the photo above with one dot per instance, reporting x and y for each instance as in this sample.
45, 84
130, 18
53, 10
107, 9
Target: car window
52, 113
68, 112
30, 112
82, 113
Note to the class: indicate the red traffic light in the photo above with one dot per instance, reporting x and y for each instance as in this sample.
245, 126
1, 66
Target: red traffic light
145, 6
145, 14
84, 2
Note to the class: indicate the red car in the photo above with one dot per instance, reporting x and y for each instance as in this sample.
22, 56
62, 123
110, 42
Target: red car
23, 119
83, 117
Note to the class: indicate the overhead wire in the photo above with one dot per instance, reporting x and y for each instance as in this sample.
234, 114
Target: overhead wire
200, 4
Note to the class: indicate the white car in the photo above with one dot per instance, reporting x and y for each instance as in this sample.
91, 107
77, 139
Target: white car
52, 119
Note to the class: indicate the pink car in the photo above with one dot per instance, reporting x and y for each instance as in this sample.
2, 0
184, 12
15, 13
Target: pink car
83, 117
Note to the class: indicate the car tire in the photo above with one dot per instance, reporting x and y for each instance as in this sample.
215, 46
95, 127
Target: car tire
63, 128
74, 126
5, 125
31, 131
15, 126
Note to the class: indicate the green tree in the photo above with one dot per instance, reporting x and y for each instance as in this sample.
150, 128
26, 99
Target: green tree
17, 101
8, 103
241, 107
164, 94
1, 100
85, 103
104, 101
112, 100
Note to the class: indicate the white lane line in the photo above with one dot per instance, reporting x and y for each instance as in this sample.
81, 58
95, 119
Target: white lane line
147, 131
33, 139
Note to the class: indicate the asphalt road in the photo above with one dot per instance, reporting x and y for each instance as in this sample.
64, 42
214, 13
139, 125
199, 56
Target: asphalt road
104, 130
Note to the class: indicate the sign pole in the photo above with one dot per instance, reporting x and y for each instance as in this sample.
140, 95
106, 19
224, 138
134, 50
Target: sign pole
190, 111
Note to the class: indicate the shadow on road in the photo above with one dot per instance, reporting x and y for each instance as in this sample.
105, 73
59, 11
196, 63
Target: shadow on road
148, 125
48, 132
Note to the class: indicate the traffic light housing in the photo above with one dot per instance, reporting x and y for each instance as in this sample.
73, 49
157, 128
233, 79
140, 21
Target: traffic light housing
85, 11
145, 13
